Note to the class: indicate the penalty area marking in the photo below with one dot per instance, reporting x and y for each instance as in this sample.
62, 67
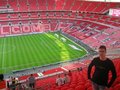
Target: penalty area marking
74, 47
77, 45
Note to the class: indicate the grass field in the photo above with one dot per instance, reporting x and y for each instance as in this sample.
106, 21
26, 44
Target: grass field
21, 52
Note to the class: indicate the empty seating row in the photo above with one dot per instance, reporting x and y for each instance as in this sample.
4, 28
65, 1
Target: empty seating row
109, 20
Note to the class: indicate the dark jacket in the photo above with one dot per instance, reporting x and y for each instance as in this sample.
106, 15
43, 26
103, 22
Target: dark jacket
102, 68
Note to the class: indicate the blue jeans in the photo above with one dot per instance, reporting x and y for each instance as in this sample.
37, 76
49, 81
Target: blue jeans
97, 87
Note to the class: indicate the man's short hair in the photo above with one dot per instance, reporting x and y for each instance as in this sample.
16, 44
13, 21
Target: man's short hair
31, 75
102, 47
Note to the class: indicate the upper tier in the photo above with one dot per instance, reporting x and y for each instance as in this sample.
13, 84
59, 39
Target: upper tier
57, 5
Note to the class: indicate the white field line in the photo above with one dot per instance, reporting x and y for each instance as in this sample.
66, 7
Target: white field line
76, 43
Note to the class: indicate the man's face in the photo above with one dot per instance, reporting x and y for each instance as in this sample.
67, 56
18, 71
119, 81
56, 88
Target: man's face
102, 52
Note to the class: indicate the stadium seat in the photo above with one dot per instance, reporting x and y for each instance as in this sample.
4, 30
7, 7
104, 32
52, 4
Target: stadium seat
70, 89
117, 87
90, 88
80, 87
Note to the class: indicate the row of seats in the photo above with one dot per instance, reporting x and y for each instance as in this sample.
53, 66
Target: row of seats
114, 21
91, 35
74, 5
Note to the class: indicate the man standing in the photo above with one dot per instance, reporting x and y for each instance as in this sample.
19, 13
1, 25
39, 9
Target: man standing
66, 79
31, 81
59, 81
102, 66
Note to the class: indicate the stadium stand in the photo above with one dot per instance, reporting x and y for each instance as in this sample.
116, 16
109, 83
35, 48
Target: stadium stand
78, 79
42, 4
23, 5
13, 4
51, 5
32, 5
83, 6
84, 20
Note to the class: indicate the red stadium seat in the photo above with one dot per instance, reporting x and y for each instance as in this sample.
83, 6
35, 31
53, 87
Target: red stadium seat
70, 89
117, 87
80, 88
90, 88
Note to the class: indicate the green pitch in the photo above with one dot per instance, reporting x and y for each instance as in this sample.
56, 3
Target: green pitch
21, 52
